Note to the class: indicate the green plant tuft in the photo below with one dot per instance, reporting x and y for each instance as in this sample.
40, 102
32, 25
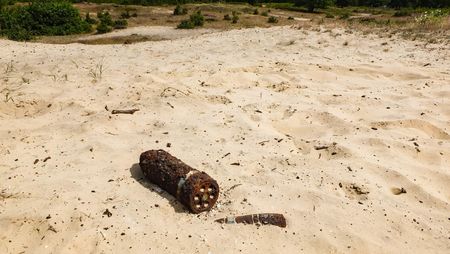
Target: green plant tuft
120, 24
180, 10
272, 19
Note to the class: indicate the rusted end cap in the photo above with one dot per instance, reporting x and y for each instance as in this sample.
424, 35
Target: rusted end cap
199, 192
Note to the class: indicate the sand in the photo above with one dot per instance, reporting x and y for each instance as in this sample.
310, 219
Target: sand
327, 127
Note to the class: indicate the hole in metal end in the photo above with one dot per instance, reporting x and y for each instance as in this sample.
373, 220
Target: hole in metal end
202, 190
209, 189
205, 205
198, 206
196, 198
211, 197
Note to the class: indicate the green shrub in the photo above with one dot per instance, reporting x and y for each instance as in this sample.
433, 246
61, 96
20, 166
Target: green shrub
227, 17
105, 18
197, 19
235, 18
345, 16
265, 13
103, 28
180, 10
290, 18
255, 12
402, 13
41, 18
120, 24
329, 16
125, 15
272, 19
90, 20
19, 34
186, 24
311, 5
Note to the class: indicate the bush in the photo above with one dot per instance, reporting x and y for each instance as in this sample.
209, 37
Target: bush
235, 18
186, 24
125, 15
290, 18
311, 5
103, 28
180, 11
227, 17
265, 13
90, 20
105, 18
41, 18
120, 24
346, 15
402, 13
255, 12
197, 19
272, 19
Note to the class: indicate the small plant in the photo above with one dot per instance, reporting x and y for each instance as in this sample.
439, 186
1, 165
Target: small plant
180, 10
186, 24
255, 12
120, 24
265, 13
272, 19
197, 19
105, 18
9, 67
235, 18
227, 17
402, 13
432, 16
102, 28
90, 20
345, 16
125, 15
96, 73
106, 22
329, 16
290, 18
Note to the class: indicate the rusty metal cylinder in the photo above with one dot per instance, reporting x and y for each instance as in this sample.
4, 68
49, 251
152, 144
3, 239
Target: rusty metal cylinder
194, 189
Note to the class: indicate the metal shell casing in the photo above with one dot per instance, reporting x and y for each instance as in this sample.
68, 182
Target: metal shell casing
194, 189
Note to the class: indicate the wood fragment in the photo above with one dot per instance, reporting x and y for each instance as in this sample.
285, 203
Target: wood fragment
124, 111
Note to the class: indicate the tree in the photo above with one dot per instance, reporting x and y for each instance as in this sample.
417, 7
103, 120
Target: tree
314, 4
342, 3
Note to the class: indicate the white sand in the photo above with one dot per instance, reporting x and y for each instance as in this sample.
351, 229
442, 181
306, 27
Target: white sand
267, 97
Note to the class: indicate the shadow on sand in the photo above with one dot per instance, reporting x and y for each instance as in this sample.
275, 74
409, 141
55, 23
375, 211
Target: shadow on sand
136, 173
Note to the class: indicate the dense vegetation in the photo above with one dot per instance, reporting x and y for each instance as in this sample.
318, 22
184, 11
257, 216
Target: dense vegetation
340, 3
41, 18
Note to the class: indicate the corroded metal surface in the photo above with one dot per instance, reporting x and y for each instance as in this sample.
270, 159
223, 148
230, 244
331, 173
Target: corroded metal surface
194, 189
262, 219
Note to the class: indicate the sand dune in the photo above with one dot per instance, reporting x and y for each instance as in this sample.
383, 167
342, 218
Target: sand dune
327, 127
